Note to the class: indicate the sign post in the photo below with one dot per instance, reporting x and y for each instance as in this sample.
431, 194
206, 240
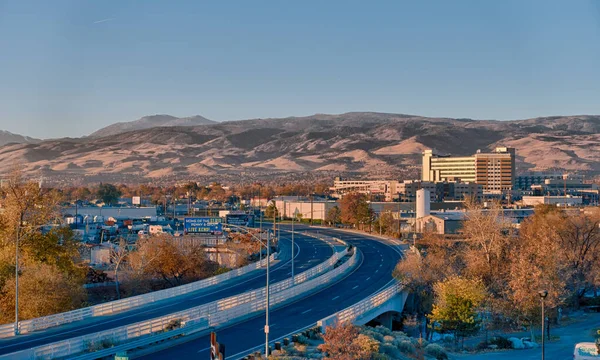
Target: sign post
217, 351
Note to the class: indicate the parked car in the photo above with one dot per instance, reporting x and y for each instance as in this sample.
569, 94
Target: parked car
587, 351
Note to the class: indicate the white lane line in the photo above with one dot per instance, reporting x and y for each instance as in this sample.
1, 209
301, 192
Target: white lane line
369, 278
376, 271
199, 351
355, 287
335, 298
307, 311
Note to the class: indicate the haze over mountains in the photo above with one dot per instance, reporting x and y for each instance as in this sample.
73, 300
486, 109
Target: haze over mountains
6, 137
363, 143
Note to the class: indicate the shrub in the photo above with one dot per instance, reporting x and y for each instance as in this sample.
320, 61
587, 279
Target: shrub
501, 342
92, 346
367, 344
383, 330
390, 350
436, 351
388, 339
371, 333
406, 347
302, 340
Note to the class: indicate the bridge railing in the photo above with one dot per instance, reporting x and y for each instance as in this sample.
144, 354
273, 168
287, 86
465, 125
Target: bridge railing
350, 314
212, 315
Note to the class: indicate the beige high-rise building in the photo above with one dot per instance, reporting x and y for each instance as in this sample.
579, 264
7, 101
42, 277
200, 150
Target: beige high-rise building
495, 171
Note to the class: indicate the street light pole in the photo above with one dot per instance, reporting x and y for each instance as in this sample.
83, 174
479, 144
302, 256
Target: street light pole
17, 281
293, 219
543, 294
260, 215
267, 292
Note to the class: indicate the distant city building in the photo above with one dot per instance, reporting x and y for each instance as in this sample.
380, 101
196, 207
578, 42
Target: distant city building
406, 191
305, 208
378, 188
495, 171
552, 200
524, 182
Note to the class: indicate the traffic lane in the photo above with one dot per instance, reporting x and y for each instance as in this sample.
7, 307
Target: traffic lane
311, 253
373, 274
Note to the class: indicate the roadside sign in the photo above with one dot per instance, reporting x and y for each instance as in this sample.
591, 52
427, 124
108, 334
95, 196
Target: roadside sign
212, 225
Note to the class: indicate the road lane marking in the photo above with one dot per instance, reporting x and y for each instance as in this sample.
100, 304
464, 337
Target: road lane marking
369, 278
355, 287
307, 311
199, 351
335, 298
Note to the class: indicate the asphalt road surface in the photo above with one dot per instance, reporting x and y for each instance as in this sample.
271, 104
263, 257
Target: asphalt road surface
373, 273
310, 252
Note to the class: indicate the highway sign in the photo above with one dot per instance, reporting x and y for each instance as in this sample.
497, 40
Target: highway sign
203, 225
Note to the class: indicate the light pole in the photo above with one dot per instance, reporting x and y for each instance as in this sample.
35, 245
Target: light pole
543, 294
17, 280
268, 303
260, 215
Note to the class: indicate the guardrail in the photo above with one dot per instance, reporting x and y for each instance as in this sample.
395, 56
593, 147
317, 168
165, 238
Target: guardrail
212, 315
353, 312
25, 326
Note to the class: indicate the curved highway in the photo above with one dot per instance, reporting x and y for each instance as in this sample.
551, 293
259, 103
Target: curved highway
309, 252
375, 271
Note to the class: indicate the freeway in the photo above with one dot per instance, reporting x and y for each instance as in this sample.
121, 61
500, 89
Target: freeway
310, 252
373, 273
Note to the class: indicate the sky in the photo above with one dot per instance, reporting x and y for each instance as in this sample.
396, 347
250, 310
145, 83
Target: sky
68, 68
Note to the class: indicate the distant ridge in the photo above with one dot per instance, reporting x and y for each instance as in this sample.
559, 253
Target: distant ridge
6, 137
367, 144
151, 121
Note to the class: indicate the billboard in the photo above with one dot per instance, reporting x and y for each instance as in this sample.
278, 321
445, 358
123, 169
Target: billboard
212, 225
240, 219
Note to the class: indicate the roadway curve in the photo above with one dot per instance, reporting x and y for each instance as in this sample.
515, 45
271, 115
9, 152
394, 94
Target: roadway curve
310, 252
375, 271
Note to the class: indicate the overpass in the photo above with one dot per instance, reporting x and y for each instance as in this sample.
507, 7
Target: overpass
366, 291
372, 276
309, 253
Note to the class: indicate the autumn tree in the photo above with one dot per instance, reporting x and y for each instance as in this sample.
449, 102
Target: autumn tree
344, 342
355, 209
61, 292
456, 302
271, 211
333, 216
171, 261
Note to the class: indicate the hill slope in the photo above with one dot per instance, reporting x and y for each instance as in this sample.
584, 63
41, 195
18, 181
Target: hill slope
148, 122
372, 144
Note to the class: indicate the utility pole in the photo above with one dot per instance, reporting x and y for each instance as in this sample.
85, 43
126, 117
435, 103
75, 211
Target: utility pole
17, 279
260, 226
293, 219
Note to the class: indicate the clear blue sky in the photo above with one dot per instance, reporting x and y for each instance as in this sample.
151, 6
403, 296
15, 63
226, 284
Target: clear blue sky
68, 68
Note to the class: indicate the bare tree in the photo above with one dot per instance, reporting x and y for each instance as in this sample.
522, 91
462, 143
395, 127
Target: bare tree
118, 255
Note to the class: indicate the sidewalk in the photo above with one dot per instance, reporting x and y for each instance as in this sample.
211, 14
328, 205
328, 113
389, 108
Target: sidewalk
579, 330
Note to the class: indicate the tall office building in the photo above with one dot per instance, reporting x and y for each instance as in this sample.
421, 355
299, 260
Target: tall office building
495, 171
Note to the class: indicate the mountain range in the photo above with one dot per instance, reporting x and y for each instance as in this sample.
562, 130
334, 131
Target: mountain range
365, 144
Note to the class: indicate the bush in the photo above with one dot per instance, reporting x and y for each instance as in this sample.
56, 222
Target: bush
436, 351
302, 340
173, 324
501, 342
406, 347
383, 330
390, 350
371, 333
388, 339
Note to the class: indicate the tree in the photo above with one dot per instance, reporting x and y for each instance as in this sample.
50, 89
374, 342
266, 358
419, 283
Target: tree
173, 261
355, 209
344, 342
489, 238
108, 193
419, 271
61, 293
118, 255
456, 301
271, 211
333, 216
